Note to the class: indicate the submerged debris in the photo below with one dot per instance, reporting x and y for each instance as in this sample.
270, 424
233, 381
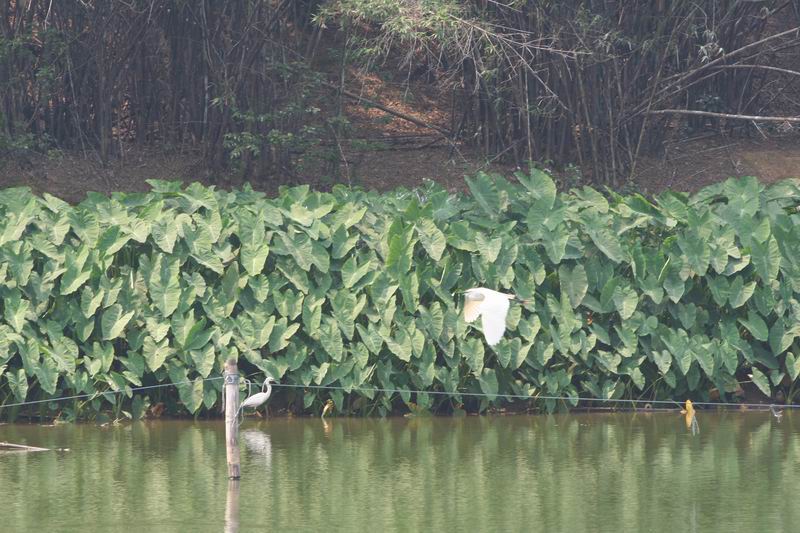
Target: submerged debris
7, 446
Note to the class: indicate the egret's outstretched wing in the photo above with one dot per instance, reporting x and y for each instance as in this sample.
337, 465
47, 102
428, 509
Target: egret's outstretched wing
493, 317
472, 309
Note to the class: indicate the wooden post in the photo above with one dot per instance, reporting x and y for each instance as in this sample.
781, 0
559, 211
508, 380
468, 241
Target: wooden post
231, 425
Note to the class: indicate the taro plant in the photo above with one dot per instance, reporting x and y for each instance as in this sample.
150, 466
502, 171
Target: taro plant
679, 296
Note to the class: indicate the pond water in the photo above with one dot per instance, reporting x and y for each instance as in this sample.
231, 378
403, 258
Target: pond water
571, 473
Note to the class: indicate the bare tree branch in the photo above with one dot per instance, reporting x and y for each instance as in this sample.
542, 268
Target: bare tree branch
763, 67
722, 115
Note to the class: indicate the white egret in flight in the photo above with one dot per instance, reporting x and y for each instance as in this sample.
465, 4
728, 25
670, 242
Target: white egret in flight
260, 397
492, 307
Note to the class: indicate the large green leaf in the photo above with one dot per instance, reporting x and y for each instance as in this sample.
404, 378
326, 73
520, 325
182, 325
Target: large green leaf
114, 321
720, 289
555, 243
488, 383
84, 224
756, 326
400, 252
203, 360
740, 292
761, 381
431, 237
47, 374
352, 272
191, 395
156, 352
254, 331
488, 248
77, 271
663, 360
486, 193
674, 286
15, 310
342, 242
18, 260
766, 258
200, 241
400, 344
18, 382
165, 232
540, 186
697, 252
625, 301
607, 242
90, 301
255, 249
331, 339
281, 335
792, 366
780, 338
574, 283
111, 241
164, 285
473, 354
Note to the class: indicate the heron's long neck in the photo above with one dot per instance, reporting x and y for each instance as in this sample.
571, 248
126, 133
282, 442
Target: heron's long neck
269, 388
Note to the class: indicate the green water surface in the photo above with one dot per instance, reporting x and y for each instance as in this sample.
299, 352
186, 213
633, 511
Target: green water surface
570, 473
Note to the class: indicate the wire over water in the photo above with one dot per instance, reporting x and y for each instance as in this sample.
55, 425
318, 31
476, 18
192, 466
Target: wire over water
631, 401
103, 393
675, 403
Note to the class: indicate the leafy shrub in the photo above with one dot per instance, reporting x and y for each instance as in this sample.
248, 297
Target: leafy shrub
352, 289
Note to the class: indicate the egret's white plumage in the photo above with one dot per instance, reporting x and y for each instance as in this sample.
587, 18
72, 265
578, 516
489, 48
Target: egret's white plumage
492, 307
257, 399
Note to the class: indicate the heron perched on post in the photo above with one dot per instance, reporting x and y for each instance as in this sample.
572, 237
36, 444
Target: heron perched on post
492, 307
259, 398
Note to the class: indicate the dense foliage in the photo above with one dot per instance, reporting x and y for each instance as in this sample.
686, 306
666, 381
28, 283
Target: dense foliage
682, 296
574, 81
259, 84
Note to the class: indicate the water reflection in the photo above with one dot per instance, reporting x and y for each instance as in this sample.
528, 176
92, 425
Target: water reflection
232, 507
258, 442
631, 472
